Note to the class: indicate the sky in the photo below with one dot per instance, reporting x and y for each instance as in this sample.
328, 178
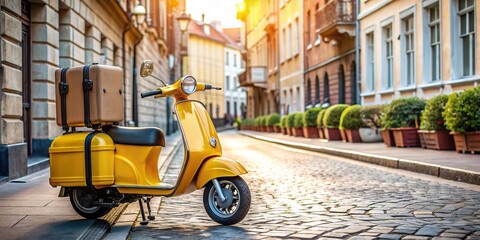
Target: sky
223, 10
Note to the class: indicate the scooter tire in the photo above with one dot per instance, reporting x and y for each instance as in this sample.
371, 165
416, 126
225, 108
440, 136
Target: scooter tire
82, 205
242, 207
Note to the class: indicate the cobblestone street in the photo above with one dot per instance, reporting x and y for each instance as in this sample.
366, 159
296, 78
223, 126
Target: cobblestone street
297, 194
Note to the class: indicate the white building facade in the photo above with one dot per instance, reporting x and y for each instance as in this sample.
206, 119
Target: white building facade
235, 96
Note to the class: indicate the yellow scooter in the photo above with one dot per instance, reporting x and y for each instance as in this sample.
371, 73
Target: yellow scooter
133, 173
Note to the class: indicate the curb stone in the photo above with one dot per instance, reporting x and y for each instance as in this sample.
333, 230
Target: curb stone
391, 162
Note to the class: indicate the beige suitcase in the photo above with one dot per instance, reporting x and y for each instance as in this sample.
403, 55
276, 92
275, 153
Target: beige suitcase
94, 102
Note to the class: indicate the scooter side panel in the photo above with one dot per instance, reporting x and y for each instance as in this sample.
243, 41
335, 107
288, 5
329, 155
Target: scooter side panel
218, 167
198, 131
136, 165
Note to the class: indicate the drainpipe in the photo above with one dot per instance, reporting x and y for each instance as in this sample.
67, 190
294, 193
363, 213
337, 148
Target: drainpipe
124, 33
357, 53
134, 83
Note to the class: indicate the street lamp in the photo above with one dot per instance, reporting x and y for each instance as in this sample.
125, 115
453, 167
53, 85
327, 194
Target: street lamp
183, 22
139, 13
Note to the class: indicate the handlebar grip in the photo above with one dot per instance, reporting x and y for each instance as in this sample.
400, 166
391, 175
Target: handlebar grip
151, 93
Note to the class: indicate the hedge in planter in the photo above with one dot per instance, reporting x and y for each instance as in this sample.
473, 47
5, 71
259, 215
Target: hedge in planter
462, 117
258, 123
402, 116
371, 118
321, 133
283, 124
350, 121
298, 125
272, 119
331, 121
310, 129
290, 123
433, 132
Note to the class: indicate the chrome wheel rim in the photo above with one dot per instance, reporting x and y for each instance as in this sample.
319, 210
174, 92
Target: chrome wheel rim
232, 194
84, 201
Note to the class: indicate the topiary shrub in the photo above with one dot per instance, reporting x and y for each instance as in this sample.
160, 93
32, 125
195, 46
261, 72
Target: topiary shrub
298, 121
258, 121
320, 116
291, 120
371, 116
273, 119
331, 119
432, 118
263, 121
350, 118
283, 121
310, 117
402, 112
462, 111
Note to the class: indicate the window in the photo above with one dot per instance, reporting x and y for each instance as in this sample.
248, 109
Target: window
226, 58
408, 51
388, 57
309, 92
227, 81
309, 34
296, 41
466, 12
370, 62
435, 43
234, 60
326, 88
341, 84
289, 41
284, 47
317, 90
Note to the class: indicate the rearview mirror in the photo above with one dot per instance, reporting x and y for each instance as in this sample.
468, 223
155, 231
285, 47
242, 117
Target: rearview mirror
147, 68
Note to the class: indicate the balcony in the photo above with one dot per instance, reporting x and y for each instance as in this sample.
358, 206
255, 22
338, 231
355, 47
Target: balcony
253, 77
335, 18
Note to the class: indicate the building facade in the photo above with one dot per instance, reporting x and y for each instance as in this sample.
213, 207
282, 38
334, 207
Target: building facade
37, 37
330, 72
261, 77
418, 48
205, 61
291, 65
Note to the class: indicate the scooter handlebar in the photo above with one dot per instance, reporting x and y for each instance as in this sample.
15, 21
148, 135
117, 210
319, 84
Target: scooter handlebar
150, 93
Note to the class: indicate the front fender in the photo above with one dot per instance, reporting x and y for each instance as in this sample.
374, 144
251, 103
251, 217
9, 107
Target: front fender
216, 167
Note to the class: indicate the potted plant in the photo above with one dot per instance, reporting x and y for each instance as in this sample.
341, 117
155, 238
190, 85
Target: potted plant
283, 124
321, 133
290, 123
433, 132
350, 121
402, 117
462, 117
298, 125
331, 121
257, 124
272, 119
310, 129
370, 116
277, 128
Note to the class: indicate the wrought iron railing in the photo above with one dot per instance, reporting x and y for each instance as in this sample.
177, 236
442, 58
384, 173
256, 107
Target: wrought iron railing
335, 12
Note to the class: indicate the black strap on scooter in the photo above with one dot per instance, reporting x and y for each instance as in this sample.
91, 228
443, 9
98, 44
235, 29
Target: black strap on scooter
88, 159
87, 86
63, 90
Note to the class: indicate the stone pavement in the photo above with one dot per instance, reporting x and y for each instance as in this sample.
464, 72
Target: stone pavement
444, 164
299, 194
31, 209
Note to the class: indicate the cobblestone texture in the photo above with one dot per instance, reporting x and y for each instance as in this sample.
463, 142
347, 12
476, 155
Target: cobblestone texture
307, 196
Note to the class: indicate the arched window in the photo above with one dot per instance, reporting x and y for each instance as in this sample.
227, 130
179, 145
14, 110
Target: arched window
326, 88
353, 82
341, 84
317, 90
309, 93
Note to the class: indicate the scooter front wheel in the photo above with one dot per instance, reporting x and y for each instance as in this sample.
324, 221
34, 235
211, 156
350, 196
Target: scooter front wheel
82, 200
235, 205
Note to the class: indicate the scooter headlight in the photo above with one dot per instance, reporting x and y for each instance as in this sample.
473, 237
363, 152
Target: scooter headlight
189, 84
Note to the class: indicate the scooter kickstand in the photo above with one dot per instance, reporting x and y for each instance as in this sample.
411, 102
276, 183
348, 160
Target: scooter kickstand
144, 221
150, 216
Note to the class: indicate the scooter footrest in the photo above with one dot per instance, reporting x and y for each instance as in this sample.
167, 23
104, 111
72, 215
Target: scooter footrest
162, 186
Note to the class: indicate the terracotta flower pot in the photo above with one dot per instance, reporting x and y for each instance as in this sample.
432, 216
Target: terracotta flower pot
292, 131
289, 131
310, 132
284, 131
353, 135
321, 133
277, 129
298, 131
467, 142
343, 135
332, 134
388, 138
406, 137
270, 129
440, 140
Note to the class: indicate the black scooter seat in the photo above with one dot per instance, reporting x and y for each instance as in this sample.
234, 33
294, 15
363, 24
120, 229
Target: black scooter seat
144, 136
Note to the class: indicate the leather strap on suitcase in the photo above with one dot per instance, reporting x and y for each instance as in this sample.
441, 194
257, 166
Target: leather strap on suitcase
88, 159
87, 87
63, 90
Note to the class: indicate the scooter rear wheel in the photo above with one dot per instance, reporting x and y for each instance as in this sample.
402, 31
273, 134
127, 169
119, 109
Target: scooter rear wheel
236, 205
82, 200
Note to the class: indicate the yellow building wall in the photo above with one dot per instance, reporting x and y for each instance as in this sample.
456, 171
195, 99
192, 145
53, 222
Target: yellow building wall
206, 63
